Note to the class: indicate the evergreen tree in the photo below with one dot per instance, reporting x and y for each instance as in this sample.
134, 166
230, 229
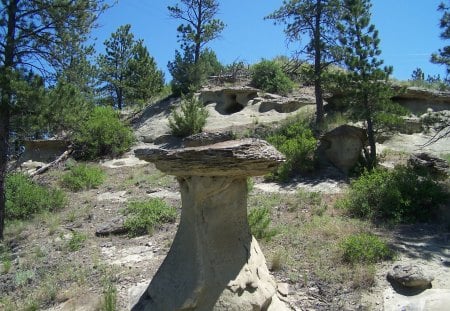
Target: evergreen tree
126, 62
443, 55
188, 76
367, 83
200, 27
30, 33
145, 80
315, 19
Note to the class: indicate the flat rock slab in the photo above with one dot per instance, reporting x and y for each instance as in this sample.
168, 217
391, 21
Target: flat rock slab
119, 196
248, 157
429, 300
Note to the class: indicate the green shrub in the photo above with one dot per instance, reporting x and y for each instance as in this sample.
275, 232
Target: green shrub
102, 134
296, 141
259, 221
144, 216
82, 177
397, 196
76, 241
190, 119
268, 76
364, 248
24, 198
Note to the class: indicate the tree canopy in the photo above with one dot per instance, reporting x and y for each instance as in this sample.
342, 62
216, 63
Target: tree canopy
31, 34
443, 55
127, 73
199, 26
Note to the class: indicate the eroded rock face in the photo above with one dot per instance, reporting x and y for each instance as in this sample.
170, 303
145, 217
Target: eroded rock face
342, 147
430, 164
214, 262
229, 100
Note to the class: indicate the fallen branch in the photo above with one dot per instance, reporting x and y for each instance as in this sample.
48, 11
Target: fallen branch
61, 158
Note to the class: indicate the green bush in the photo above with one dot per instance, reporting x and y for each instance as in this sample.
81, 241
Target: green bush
364, 248
24, 198
296, 141
83, 177
397, 196
76, 241
102, 134
259, 221
144, 216
268, 76
190, 120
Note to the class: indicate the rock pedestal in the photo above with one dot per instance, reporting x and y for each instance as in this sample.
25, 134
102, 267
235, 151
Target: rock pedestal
214, 262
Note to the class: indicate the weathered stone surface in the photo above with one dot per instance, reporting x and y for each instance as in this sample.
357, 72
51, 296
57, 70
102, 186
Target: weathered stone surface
435, 166
247, 157
410, 276
418, 93
342, 146
207, 138
114, 226
214, 262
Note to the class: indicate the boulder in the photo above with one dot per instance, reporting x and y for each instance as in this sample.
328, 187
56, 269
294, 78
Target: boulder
342, 147
409, 276
214, 262
430, 164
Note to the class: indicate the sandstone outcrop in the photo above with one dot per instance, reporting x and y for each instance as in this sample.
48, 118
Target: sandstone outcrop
214, 262
342, 147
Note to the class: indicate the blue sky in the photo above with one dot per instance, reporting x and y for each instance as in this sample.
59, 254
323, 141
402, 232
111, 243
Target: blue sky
409, 31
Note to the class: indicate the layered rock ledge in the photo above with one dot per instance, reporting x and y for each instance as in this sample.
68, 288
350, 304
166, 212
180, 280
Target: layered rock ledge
214, 262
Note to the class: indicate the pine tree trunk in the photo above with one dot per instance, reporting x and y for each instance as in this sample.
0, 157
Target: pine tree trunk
318, 66
4, 137
5, 113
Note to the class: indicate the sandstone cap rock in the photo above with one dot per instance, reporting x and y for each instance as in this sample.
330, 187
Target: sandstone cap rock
246, 157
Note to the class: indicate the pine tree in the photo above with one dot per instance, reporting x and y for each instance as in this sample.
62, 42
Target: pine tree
443, 55
367, 83
145, 79
200, 27
126, 70
30, 33
315, 19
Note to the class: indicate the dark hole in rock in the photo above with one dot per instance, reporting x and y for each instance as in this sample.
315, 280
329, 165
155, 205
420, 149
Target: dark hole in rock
229, 105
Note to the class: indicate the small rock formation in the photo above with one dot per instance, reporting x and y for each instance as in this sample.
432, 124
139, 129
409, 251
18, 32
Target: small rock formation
342, 147
410, 277
207, 138
214, 262
430, 164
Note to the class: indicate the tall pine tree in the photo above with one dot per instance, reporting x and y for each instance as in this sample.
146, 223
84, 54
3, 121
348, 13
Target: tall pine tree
127, 73
367, 82
316, 20
199, 27
443, 55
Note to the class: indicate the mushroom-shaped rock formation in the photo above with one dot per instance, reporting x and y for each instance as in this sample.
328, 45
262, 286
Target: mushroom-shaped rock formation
214, 262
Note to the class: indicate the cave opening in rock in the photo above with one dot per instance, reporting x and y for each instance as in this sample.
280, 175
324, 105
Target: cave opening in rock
232, 105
